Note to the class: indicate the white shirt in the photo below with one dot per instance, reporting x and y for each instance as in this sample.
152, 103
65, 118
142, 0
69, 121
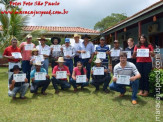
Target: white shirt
77, 47
41, 49
69, 49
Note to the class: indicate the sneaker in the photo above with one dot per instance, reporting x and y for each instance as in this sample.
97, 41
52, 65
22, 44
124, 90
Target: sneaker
134, 102
23, 98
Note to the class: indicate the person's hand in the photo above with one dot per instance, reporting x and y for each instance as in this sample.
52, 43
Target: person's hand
96, 53
132, 78
90, 60
114, 79
47, 76
105, 70
87, 79
62, 49
32, 59
107, 52
51, 49
26, 80
33, 79
74, 78
13, 82
11, 57
54, 75
68, 56
83, 51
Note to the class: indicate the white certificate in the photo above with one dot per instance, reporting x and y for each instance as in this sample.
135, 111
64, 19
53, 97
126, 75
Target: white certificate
101, 55
57, 48
142, 52
85, 55
17, 55
98, 71
40, 76
45, 52
68, 53
115, 53
39, 58
19, 77
80, 78
61, 74
123, 79
128, 54
29, 47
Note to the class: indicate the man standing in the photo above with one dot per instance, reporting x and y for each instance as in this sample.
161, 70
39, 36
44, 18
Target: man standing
77, 47
105, 49
87, 47
8, 53
44, 50
114, 58
26, 51
125, 69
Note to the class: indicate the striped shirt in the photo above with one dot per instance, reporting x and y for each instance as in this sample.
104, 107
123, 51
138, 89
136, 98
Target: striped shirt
130, 69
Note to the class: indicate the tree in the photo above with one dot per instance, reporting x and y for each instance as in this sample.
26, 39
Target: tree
109, 21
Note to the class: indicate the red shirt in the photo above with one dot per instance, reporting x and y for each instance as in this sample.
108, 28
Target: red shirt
64, 68
78, 72
144, 59
8, 52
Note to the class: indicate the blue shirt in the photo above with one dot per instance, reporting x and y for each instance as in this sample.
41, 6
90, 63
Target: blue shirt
89, 47
105, 48
32, 74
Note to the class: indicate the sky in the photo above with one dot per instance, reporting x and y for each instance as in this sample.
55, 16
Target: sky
83, 13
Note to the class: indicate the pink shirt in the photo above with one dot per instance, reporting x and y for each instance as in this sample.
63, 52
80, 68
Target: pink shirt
77, 71
26, 54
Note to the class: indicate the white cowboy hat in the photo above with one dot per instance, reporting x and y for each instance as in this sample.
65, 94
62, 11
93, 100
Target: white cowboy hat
38, 63
60, 59
29, 36
97, 60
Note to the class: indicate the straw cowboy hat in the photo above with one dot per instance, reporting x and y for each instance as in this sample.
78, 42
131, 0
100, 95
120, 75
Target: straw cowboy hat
42, 38
60, 60
97, 60
34, 49
53, 38
29, 36
76, 35
38, 63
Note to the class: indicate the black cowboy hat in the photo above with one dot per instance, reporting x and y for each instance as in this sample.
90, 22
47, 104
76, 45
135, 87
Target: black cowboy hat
14, 68
86, 36
53, 38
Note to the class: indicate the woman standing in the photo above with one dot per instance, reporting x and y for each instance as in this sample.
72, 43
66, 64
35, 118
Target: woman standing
143, 63
79, 70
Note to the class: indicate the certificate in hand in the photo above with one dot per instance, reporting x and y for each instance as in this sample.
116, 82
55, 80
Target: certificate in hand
80, 78
57, 48
40, 76
85, 55
101, 55
17, 55
19, 77
61, 74
29, 47
128, 54
123, 79
39, 58
45, 52
142, 52
115, 53
98, 71
68, 53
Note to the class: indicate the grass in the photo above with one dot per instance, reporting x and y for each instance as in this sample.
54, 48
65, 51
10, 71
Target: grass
84, 106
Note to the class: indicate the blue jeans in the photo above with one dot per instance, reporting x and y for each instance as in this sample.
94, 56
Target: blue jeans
63, 83
69, 64
21, 89
76, 59
144, 69
88, 67
46, 64
35, 85
98, 82
26, 67
73, 83
121, 88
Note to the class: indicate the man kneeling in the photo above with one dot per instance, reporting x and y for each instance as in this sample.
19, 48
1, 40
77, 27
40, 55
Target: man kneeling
17, 86
123, 75
39, 79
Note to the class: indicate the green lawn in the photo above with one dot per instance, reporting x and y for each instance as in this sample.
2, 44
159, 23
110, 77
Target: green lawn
84, 106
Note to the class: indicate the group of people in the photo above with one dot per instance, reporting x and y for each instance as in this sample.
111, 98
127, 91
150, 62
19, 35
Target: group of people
128, 64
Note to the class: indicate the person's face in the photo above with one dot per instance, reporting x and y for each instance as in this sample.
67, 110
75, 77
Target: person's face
116, 44
130, 43
35, 52
67, 44
42, 41
14, 43
123, 59
79, 65
29, 39
102, 42
98, 64
16, 71
142, 40
55, 41
38, 67
76, 38
60, 63
86, 39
